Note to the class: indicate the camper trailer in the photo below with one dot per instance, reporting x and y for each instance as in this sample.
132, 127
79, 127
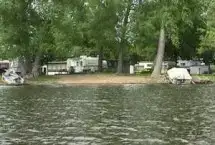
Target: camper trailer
148, 65
204, 69
144, 66
194, 66
73, 65
189, 63
84, 64
4, 65
55, 68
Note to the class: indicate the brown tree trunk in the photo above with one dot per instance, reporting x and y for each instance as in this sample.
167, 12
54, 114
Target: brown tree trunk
100, 59
160, 54
120, 61
122, 43
28, 65
36, 66
22, 66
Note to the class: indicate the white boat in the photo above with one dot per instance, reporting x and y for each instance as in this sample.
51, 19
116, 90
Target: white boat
179, 76
12, 78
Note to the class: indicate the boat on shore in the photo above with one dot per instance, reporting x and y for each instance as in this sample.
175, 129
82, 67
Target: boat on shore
12, 78
179, 76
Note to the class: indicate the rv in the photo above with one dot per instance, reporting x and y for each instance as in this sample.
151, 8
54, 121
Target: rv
189, 63
148, 66
73, 65
84, 64
4, 65
203, 69
194, 66
144, 66
55, 68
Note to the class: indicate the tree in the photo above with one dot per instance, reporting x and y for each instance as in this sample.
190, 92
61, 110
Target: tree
165, 20
122, 30
31, 28
102, 20
16, 27
37, 31
207, 40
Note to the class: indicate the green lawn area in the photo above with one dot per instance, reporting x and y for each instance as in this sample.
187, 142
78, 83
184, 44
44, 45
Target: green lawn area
44, 78
210, 77
1, 81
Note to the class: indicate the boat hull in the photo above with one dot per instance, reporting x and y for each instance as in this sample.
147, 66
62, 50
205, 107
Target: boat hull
11, 78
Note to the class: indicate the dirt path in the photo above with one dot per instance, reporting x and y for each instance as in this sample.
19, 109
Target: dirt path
105, 79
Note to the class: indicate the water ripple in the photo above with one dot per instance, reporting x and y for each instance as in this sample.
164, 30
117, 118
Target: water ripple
129, 114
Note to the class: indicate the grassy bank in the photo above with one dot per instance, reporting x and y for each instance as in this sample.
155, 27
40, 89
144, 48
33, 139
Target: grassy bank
210, 77
43, 79
1, 81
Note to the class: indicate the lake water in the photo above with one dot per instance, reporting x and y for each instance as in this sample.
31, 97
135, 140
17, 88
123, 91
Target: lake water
105, 115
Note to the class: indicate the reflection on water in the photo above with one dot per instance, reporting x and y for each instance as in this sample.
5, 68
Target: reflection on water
130, 114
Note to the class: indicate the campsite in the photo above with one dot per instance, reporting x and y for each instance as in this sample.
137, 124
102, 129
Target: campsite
107, 72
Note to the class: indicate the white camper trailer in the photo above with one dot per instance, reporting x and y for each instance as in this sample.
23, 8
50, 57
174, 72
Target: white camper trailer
55, 68
73, 65
144, 66
4, 64
189, 63
84, 64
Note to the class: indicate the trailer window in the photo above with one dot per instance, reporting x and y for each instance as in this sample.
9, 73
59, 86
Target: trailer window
182, 64
81, 63
149, 65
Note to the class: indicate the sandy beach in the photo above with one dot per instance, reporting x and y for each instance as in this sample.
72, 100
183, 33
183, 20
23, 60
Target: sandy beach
106, 79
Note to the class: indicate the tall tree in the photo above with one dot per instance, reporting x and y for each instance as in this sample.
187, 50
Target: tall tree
123, 27
32, 28
165, 20
207, 40
17, 18
102, 21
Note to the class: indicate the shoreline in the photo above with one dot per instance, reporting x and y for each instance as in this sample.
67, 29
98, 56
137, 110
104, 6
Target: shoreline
100, 79
95, 79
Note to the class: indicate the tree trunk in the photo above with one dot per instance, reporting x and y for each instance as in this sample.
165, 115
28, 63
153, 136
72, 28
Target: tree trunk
120, 61
22, 66
100, 59
122, 43
28, 65
160, 54
36, 66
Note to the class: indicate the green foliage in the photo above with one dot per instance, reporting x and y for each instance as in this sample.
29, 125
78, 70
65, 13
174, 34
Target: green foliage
182, 20
207, 40
63, 28
102, 20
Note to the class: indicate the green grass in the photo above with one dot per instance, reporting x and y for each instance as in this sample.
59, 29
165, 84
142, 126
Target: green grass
144, 73
210, 77
1, 81
44, 78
